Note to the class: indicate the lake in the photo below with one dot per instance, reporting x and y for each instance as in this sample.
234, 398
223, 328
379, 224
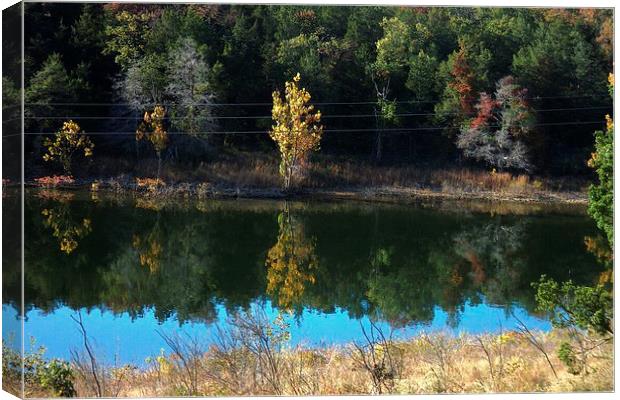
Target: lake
134, 268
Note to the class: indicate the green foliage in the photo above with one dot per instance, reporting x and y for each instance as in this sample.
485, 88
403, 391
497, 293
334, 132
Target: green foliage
432, 61
144, 82
421, 79
571, 305
601, 206
55, 376
126, 37
53, 84
566, 354
392, 48
387, 110
556, 58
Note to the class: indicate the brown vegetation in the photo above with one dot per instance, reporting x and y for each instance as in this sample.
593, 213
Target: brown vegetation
252, 356
256, 175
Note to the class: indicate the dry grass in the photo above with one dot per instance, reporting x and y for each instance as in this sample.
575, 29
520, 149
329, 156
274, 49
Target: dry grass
252, 357
434, 363
500, 182
260, 171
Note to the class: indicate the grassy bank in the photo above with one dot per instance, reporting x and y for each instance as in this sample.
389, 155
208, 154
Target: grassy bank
255, 175
253, 360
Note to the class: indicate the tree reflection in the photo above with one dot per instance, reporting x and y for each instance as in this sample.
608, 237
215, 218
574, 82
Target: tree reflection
291, 262
399, 265
65, 227
599, 246
494, 255
149, 249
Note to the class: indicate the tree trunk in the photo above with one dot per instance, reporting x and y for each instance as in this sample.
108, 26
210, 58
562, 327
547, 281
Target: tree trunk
378, 146
158, 165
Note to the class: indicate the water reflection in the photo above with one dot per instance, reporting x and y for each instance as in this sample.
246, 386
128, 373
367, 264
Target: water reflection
395, 263
291, 262
64, 228
149, 248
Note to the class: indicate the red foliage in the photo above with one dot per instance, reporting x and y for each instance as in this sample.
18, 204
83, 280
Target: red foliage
54, 180
485, 107
463, 80
154, 11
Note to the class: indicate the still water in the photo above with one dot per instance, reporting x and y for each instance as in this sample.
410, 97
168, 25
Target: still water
134, 268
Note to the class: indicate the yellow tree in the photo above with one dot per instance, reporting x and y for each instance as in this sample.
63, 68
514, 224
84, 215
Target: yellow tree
152, 128
296, 131
291, 262
65, 143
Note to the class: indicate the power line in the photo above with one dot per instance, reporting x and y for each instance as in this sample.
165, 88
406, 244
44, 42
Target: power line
269, 116
352, 130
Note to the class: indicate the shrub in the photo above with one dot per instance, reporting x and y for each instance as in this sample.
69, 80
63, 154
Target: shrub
57, 376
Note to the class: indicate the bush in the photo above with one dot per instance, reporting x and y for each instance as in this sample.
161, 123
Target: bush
57, 376
54, 377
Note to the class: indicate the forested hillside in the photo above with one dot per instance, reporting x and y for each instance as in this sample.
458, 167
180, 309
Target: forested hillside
512, 89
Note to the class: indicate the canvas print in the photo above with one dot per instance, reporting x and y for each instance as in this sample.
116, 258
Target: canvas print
254, 199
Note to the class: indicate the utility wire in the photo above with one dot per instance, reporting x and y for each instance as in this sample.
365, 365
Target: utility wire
322, 116
353, 130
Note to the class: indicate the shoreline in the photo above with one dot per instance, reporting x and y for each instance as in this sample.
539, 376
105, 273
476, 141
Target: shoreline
379, 194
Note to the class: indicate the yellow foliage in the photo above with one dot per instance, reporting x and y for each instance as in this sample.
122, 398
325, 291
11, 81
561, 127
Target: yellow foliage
64, 230
149, 251
291, 262
296, 131
152, 128
150, 183
610, 123
65, 143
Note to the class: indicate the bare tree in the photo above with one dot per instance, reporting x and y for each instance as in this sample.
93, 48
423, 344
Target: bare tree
377, 357
94, 368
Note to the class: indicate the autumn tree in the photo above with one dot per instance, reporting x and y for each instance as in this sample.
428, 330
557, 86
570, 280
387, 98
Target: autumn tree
296, 131
498, 133
152, 128
465, 73
65, 143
